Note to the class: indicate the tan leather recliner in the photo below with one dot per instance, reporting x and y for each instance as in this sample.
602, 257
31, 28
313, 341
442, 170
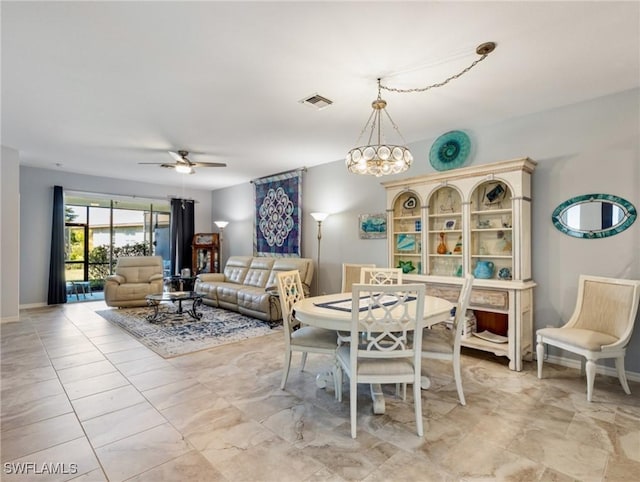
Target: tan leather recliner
135, 278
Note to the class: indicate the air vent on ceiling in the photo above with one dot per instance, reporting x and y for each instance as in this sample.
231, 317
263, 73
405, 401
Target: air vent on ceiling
317, 101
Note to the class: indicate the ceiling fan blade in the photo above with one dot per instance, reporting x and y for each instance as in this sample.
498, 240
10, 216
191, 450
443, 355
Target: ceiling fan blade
176, 156
208, 164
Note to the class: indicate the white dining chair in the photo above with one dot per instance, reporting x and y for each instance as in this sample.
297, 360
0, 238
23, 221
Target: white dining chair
386, 353
351, 275
381, 276
371, 275
443, 343
305, 339
600, 327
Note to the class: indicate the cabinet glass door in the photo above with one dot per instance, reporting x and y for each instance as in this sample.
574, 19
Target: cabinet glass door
444, 235
407, 233
492, 231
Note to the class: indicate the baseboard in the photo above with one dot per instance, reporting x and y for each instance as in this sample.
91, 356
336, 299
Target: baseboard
33, 305
600, 369
9, 319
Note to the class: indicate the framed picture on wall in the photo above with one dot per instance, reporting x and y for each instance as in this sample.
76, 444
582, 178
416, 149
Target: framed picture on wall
372, 226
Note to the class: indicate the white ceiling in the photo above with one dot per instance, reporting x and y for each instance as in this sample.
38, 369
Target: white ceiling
96, 88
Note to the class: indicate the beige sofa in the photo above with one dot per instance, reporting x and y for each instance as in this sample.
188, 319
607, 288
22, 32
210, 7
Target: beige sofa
248, 284
135, 278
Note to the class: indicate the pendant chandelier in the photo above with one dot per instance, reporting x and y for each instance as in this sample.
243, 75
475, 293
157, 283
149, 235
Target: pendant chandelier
380, 158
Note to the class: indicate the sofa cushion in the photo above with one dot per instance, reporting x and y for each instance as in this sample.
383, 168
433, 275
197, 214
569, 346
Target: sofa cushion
236, 268
287, 264
258, 273
227, 293
253, 299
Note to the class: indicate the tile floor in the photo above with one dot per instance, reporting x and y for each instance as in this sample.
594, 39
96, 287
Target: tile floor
79, 392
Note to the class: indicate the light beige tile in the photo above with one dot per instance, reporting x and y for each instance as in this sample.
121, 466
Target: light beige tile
73, 459
156, 378
191, 466
25, 377
274, 460
135, 367
136, 454
77, 359
119, 345
565, 455
105, 402
26, 413
177, 392
30, 392
91, 386
122, 423
40, 435
89, 370
131, 354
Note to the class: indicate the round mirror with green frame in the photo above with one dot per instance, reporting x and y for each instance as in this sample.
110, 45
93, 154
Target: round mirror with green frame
592, 216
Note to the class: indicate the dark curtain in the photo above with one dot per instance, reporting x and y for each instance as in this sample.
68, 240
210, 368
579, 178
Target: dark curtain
57, 283
182, 227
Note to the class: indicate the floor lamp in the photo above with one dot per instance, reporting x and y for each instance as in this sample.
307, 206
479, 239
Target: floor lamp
221, 225
319, 217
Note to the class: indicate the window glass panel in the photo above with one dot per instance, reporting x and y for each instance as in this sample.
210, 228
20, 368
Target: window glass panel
75, 214
74, 272
74, 243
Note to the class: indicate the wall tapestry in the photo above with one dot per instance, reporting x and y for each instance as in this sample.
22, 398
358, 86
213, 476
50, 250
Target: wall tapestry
278, 211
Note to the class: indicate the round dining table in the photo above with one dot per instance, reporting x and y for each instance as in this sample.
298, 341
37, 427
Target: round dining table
333, 312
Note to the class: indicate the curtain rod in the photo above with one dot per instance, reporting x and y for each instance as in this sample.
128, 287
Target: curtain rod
300, 169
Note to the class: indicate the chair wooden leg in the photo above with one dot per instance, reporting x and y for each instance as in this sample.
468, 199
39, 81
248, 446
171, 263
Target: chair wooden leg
622, 376
353, 402
417, 403
540, 357
457, 375
304, 360
285, 369
591, 376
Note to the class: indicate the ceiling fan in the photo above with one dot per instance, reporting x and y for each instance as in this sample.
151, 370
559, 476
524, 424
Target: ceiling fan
183, 164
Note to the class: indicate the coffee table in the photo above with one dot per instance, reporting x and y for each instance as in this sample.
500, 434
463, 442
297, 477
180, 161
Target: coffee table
178, 297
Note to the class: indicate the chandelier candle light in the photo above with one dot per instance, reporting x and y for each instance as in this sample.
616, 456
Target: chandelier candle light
382, 158
319, 217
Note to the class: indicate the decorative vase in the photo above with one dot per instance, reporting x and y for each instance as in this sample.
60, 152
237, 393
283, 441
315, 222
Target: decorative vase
458, 248
484, 270
442, 247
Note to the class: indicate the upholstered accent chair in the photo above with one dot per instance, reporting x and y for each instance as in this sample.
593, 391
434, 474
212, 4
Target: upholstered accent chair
135, 277
600, 327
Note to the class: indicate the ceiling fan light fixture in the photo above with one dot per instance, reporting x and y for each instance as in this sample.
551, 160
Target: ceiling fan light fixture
184, 169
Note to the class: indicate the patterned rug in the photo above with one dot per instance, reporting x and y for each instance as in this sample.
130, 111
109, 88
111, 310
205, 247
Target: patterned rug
177, 335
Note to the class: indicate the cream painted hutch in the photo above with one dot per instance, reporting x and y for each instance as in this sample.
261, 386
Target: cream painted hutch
471, 220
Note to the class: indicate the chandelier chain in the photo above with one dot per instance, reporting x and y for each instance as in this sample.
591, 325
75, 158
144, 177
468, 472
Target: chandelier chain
439, 84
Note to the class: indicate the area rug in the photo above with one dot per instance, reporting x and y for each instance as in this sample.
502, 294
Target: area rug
177, 334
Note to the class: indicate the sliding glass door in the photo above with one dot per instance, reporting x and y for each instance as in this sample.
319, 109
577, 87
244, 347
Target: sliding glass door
98, 230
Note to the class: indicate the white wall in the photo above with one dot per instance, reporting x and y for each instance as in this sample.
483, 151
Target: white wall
582, 148
36, 207
9, 235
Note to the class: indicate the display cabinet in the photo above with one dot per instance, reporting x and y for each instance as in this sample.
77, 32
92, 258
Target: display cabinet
206, 253
476, 220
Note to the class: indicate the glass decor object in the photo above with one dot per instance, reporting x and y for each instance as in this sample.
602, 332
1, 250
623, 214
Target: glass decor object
592, 216
450, 151
442, 247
